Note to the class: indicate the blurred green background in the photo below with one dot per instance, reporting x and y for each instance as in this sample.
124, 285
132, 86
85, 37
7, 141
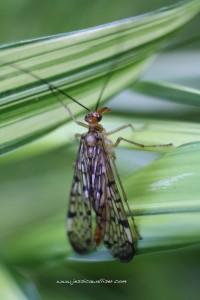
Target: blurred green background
28, 185
24, 19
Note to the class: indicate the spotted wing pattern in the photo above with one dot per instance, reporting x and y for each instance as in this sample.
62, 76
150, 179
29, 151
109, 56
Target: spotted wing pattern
111, 216
94, 185
79, 221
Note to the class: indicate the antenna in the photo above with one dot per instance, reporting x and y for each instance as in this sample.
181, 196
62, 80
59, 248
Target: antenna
107, 79
50, 86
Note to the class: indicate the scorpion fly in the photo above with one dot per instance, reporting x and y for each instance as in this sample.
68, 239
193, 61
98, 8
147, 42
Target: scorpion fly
94, 188
96, 185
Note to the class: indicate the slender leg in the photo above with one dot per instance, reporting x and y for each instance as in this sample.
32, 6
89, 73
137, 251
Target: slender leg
138, 144
80, 123
121, 128
52, 88
119, 180
126, 200
67, 108
124, 127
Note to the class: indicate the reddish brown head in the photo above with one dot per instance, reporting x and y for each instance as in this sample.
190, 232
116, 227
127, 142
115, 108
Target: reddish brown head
96, 116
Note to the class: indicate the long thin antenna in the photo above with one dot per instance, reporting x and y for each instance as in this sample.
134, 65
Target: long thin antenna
107, 80
50, 86
117, 56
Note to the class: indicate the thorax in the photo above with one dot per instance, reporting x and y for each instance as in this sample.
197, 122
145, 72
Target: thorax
97, 137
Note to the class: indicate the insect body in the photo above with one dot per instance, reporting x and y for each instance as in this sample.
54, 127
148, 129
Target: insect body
94, 188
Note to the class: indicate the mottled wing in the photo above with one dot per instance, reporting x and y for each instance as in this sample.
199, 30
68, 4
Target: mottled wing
79, 222
111, 216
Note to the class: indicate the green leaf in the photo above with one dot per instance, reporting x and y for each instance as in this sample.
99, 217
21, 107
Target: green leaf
170, 91
78, 63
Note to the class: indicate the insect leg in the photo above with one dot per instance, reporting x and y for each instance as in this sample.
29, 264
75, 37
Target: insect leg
67, 108
121, 128
52, 89
138, 144
124, 127
126, 200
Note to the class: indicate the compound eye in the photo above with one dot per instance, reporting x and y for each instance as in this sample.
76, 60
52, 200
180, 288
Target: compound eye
88, 118
99, 117
93, 118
